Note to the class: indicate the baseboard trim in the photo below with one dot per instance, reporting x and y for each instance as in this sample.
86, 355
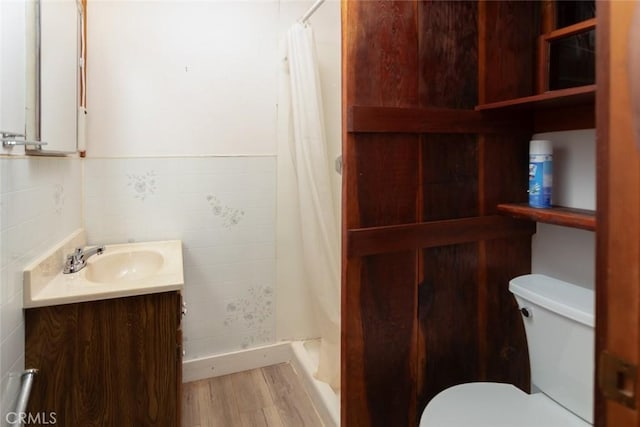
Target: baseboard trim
236, 361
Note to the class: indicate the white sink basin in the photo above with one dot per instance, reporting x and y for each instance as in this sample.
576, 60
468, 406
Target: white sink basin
121, 270
123, 266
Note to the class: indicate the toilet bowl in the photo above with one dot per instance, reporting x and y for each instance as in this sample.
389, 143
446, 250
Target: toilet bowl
559, 322
495, 405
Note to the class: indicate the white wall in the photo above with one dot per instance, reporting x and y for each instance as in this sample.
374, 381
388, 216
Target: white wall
40, 204
562, 252
182, 78
172, 87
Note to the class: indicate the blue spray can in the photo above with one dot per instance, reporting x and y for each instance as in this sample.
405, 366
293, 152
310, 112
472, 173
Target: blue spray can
540, 173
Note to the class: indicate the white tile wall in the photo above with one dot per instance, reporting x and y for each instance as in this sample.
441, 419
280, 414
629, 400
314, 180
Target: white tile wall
40, 204
223, 209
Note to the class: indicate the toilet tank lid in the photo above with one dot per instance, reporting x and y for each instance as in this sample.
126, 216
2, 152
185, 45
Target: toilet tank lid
566, 299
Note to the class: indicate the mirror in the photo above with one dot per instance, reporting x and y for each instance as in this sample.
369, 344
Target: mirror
12, 70
54, 71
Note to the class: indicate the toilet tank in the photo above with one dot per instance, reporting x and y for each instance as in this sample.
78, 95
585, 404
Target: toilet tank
560, 337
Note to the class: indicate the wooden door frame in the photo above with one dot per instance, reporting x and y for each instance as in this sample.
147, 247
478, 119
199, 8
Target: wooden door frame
618, 210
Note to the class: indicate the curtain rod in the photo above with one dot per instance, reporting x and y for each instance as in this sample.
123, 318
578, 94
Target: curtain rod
311, 11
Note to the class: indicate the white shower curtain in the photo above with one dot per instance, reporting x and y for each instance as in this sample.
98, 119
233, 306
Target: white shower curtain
319, 225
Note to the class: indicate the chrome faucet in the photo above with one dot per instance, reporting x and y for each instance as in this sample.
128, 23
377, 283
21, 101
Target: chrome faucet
78, 259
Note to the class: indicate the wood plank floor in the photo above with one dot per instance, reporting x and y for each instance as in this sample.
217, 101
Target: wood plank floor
270, 396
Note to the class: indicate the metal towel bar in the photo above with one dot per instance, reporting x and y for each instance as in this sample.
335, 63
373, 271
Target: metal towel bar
25, 390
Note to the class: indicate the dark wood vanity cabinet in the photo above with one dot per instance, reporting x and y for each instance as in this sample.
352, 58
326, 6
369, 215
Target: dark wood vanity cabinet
114, 362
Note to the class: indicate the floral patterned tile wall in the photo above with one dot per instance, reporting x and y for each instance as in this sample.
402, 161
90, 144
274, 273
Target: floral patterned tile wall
223, 210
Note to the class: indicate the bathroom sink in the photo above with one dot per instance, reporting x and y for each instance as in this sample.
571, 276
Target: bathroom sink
123, 266
122, 270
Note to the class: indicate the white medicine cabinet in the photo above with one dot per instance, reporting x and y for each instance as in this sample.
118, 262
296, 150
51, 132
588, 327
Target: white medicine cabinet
12, 67
40, 112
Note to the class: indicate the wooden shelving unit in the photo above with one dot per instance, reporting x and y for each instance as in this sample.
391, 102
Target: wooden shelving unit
553, 99
558, 215
557, 110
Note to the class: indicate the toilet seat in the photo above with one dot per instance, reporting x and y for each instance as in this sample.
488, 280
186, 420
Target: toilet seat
495, 405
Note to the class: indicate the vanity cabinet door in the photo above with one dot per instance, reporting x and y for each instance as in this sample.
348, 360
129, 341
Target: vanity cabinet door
106, 363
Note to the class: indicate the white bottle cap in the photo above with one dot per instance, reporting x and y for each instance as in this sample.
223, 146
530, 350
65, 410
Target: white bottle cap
540, 146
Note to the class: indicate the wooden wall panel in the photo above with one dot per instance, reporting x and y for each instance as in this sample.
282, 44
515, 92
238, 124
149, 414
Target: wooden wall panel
508, 32
503, 174
387, 168
448, 60
415, 322
389, 338
448, 52
379, 188
448, 349
449, 176
382, 341
506, 356
383, 43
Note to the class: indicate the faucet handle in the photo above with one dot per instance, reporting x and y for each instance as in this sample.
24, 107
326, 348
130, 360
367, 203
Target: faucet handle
78, 253
74, 262
70, 259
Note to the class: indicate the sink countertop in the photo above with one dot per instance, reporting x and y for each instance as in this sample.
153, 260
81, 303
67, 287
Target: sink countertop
77, 287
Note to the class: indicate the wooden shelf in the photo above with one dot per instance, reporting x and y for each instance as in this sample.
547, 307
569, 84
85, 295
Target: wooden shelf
568, 217
583, 95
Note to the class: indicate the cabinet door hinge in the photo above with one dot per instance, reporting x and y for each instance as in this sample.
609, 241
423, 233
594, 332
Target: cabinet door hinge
618, 379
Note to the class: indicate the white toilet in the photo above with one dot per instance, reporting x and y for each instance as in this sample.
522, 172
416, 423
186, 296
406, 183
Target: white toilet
559, 323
